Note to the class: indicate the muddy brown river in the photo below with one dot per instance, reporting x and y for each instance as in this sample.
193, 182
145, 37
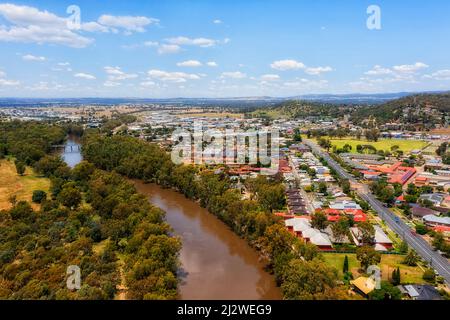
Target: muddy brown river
216, 263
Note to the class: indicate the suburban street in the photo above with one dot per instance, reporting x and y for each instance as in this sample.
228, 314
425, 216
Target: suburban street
423, 249
305, 197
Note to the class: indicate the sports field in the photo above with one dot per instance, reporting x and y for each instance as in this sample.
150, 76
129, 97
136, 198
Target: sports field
383, 144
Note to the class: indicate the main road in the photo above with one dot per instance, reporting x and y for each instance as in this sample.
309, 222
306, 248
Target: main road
438, 262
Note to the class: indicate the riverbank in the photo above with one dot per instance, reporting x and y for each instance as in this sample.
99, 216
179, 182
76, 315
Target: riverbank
216, 263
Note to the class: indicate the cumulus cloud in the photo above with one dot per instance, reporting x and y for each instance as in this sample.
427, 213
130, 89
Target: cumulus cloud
116, 74
288, 64
378, 70
30, 57
318, 70
127, 23
171, 76
189, 63
94, 27
30, 25
7, 82
233, 75
211, 64
168, 48
199, 42
439, 75
85, 76
410, 68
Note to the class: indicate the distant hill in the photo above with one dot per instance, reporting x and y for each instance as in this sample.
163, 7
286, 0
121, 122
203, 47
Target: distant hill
302, 109
428, 109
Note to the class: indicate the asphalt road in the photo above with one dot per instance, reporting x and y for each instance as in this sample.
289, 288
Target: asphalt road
423, 249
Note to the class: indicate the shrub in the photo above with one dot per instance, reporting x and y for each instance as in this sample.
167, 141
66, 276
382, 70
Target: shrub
39, 196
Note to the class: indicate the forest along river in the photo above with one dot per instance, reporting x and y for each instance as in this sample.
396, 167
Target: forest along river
215, 262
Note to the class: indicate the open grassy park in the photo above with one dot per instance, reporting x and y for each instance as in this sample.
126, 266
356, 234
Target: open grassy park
389, 262
382, 144
20, 186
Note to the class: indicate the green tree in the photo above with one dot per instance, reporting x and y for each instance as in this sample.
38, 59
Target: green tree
340, 229
367, 232
403, 247
20, 167
319, 221
38, 196
70, 197
396, 277
411, 258
387, 291
345, 266
429, 275
367, 256
310, 280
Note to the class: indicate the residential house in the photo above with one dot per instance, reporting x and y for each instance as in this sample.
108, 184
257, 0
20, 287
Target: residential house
420, 292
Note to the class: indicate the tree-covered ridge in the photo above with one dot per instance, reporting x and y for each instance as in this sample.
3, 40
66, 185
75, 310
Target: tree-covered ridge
421, 108
301, 109
293, 262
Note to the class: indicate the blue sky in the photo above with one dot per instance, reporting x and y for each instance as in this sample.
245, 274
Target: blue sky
202, 48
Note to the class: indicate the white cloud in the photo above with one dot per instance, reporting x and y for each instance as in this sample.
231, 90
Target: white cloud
168, 48
30, 25
439, 75
270, 77
128, 23
233, 75
116, 74
171, 76
378, 70
6, 82
85, 76
29, 57
111, 84
201, 42
190, 63
410, 68
63, 64
217, 21
211, 64
94, 27
318, 70
284, 65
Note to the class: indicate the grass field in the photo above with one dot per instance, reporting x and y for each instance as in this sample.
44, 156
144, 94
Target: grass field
383, 144
21, 186
389, 262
